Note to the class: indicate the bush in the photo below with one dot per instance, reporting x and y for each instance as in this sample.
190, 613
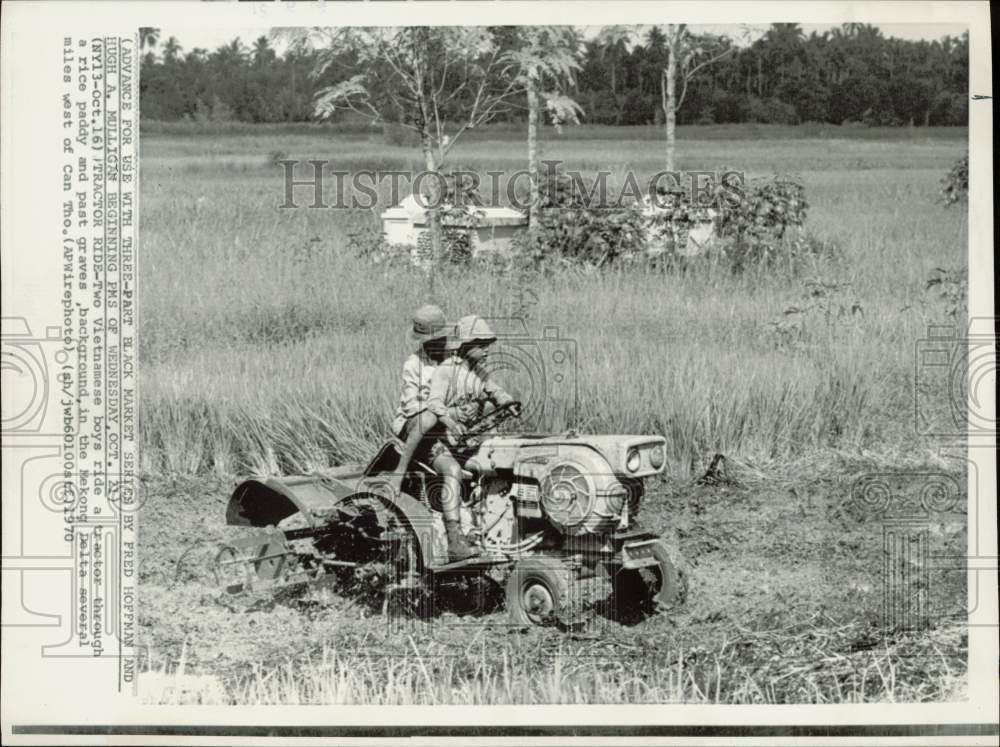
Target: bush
952, 289
822, 304
568, 230
456, 245
366, 241
955, 184
758, 226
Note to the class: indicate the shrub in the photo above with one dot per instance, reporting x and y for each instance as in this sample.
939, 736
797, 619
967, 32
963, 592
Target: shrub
456, 245
952, 288
366, 241
822, 304
568, 230
758, 225
955, 184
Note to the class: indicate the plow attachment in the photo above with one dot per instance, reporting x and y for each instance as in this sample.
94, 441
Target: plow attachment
357, 540
264, 562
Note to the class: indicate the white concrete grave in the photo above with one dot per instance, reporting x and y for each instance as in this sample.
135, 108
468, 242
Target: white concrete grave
491, 228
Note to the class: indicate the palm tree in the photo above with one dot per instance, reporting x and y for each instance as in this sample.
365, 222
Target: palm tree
613, 43
148, 36
262, 52
782, 44
543, 56
198, 54
170, 50
235, 51
852, 30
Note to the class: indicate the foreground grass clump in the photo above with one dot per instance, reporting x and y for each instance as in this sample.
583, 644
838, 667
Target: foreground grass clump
821, 664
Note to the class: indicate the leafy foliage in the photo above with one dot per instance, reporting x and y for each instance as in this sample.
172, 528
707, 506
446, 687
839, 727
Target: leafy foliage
955, 184
759, 223
822, 303
570, 231
952, 289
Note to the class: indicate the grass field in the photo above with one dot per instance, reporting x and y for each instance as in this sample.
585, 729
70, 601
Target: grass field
267, 347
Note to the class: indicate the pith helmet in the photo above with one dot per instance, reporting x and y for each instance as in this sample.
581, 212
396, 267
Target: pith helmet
471, 328
428, 323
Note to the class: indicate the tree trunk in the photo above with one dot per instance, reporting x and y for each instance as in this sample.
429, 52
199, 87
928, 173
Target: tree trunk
669, 84
431, 164
434, 212
533, 197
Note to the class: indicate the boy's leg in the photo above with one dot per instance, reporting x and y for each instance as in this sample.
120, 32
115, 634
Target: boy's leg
414, 432
450, 470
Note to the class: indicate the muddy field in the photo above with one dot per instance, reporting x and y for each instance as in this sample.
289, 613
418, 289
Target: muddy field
796, 595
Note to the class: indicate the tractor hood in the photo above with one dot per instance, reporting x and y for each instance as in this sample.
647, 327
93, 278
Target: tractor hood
503, 452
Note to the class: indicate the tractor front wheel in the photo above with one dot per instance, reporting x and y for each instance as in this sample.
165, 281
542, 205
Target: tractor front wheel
543, 591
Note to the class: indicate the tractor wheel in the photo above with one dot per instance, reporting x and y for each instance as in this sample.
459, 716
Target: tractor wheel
543, 591
644, 591
383, 548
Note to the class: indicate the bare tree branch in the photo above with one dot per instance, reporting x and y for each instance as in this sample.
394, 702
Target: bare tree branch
689, 74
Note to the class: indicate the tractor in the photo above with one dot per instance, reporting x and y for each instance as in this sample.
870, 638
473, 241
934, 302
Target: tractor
545, 513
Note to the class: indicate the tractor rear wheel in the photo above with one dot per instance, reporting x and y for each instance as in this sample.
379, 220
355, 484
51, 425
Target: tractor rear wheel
543, 591
382, 549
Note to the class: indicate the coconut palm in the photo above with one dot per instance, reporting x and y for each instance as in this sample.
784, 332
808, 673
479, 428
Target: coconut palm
171, 50
148, 36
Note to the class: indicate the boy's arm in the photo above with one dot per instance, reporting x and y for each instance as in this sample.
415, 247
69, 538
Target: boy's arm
410, 394
436, 400
495, 393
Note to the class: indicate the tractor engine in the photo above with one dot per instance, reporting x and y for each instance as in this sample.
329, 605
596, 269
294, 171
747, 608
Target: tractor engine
578, 493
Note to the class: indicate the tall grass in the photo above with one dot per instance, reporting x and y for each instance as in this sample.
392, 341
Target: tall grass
267, 347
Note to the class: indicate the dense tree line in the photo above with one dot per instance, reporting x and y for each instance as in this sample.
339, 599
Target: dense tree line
849, 74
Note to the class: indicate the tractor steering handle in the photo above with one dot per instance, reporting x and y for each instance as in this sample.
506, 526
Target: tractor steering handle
494, 418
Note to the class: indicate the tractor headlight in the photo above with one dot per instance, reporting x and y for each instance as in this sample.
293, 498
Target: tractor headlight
657, 457
633, 461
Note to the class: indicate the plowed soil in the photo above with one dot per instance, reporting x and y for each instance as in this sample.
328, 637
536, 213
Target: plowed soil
795, 591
